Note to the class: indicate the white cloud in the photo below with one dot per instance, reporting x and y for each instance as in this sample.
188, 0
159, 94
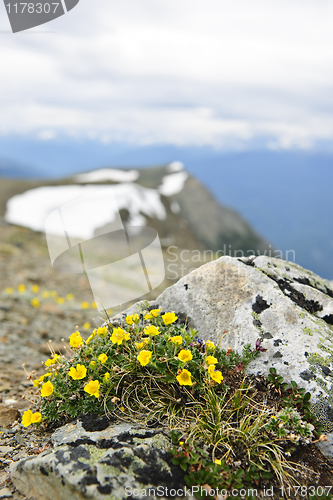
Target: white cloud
190, 72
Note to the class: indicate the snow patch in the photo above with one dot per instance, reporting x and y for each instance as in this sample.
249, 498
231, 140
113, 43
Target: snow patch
108, 174
176, 166
32, 208
175, 208
173, 183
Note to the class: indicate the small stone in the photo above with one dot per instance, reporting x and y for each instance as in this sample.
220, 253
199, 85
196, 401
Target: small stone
8, 415
19, 439
5, 493
5, 449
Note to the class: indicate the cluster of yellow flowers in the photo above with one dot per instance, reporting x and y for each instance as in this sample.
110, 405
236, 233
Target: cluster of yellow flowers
45, 294
29, 418
145, 356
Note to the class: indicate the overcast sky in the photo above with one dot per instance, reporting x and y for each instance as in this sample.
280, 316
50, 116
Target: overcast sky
184, 72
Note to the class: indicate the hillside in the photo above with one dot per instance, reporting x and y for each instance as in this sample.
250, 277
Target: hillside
194, 219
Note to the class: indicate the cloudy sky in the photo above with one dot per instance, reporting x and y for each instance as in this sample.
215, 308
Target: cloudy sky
184, 72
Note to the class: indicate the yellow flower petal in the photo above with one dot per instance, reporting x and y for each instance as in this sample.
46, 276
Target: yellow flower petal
151, 330
169, 318
47, 389
92, 388
102, 358
184, 378
185, 355
144, 357
78, 373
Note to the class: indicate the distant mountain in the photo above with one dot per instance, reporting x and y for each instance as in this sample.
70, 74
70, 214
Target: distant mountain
167, 198
15, 170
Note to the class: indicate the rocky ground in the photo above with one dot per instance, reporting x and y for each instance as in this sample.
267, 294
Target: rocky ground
65, 301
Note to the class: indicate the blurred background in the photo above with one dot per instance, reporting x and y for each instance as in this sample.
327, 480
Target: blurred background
237, 95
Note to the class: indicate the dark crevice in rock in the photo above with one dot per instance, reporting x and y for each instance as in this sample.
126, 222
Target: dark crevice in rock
80, 441
249, 262
328, 318
260, 305
306, 281
104, 490
312, 306
91, 422
43, 471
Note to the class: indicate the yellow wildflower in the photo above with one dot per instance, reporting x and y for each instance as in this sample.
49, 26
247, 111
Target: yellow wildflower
129, 320
29, 418
210, 346
92, 364
35, 288
35, 302
185, 355
21, 288
144, 357
89, 339
69, 296
75, 340
102, 358
217, 461
106, 377
41, 378
216, 376
169, 318
184, 378
78, 373
145, 341
211, 369
122, 408
46, 294
181, 443
102, 331
54, 294
148, 316
9, 290
85, 305
52, 361
47, 389
210, 360
86, 326
94, 305
36, 417
151, 330
178, 339
26, 418
155, 312
119, 335
136, 318
92, 388
60, 300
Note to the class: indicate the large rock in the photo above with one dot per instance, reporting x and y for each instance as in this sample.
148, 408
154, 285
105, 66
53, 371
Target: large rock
238, 301
120, 461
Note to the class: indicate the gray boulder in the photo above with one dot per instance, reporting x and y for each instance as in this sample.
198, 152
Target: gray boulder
121, 461
236, 301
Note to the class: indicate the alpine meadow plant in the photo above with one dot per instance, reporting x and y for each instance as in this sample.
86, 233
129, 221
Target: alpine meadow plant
153, 370
149, 368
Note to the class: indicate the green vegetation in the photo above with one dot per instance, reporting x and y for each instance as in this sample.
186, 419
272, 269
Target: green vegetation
155, 371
